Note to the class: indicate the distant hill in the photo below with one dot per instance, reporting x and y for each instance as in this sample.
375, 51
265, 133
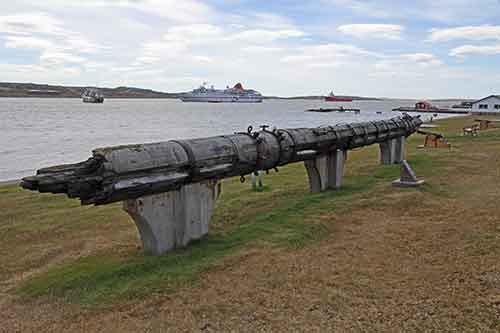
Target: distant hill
453, 100
354, 98
8, 89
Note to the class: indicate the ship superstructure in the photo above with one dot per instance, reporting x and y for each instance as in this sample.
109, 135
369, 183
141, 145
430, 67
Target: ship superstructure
236, 94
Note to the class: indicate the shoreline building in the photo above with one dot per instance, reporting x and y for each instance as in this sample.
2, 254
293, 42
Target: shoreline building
487, 104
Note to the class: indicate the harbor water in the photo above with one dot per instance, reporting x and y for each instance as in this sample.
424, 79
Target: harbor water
40, 132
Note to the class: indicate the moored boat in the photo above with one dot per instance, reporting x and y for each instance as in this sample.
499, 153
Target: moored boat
340, 109
92, 95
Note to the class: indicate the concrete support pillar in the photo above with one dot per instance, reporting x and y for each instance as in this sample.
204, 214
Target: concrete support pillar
392, 151
317, 172
171, 220
387, 152
399, 149
326, 172
336, 162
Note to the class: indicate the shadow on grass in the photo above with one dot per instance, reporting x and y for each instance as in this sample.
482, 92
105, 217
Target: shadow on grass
485, 135
104, 278
265, 188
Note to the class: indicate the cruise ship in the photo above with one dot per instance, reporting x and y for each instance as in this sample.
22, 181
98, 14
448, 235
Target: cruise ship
237, 94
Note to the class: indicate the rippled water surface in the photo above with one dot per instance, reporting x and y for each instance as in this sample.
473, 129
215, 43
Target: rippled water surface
37, 132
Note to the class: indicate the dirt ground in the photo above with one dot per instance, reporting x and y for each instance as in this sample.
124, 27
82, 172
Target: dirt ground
393, 260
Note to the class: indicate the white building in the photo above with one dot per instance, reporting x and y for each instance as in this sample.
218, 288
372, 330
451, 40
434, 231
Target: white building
487, 104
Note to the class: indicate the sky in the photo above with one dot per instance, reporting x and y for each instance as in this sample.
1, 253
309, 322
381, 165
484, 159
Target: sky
383, 48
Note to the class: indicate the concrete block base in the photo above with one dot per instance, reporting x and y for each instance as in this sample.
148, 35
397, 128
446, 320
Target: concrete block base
407, 177
326, 172
171, 220
400, 183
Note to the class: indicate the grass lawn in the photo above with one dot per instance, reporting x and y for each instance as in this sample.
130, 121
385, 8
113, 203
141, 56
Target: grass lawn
366, 257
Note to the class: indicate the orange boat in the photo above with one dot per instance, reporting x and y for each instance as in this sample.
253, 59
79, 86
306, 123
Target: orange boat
333, 98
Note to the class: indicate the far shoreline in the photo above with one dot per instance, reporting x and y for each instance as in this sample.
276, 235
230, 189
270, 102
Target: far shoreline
10, 182
312, 98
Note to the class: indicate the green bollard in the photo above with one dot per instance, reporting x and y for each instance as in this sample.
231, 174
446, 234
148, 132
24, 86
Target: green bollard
257, 180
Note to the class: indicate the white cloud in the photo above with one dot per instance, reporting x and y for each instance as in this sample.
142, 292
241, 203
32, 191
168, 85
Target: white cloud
370, 31
176, 43
166, 45
57, 58
455, 11
29, 23
76, 44
325, 65
179, 11
202, 59
185, 11
406, 65
60, 49
80, 44
422, 59
481, 32
366, 8
270, 21
261, 49
95, 66
182, 43
260, 36
328, 53
193, 33
51, 53
21, 68
28, 42
464, 50
449, 11
156, 50
146, 60
43, 31
39, 73
74, 71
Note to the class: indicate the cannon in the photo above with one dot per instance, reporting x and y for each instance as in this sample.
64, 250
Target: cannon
185, 172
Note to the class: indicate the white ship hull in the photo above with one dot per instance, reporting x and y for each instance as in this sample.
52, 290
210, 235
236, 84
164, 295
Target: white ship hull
221, 99
230, 95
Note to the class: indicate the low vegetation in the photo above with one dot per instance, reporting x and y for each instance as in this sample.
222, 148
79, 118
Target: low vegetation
366, 257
